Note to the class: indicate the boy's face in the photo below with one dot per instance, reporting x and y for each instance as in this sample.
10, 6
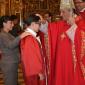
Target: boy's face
36, 26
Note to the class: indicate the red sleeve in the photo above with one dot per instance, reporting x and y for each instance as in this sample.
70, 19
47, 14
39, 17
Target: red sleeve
81, 24
31, 56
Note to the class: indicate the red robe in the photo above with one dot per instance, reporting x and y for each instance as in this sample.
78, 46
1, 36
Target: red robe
65, 73
41, 34
80, 51
55, 29
52, 34
43, 42
83, 14
63, 67
61, 58
31, 57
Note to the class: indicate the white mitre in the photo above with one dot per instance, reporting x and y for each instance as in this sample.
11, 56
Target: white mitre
69, 4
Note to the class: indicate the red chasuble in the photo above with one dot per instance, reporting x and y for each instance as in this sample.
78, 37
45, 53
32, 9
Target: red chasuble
55, 29
64, 62
31, 57
63, 57
52, 35
69, 72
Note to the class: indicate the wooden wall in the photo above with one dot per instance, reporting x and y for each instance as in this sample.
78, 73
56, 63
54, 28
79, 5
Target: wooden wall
23, 8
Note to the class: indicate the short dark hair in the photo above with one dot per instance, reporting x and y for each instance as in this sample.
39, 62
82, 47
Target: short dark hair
49, 13
4, 19
13, 17
83, 0
31, 18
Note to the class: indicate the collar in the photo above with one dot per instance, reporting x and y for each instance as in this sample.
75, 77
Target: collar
82, 10
31, 31
33, 34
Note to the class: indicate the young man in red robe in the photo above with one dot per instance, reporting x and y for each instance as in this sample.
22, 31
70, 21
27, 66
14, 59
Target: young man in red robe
32, 57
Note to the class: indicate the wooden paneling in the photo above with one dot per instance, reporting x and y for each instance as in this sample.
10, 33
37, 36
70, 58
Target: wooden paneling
41, 6
25, 7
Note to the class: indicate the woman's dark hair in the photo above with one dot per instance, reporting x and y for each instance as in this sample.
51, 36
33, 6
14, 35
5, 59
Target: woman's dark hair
31, 18
83, 0
49, 13
4, 19
13, 17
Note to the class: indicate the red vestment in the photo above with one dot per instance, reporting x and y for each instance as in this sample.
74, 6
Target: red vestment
55, 29
63, 57
80, 51
32, 59
66, 73
44, 44
62, 70
52, 34
41, 34
83, 14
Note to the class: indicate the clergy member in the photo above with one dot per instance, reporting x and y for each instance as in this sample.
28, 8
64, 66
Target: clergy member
66, 38
80, 7
70, 52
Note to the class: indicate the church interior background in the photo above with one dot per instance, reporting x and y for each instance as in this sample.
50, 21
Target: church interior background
22, 8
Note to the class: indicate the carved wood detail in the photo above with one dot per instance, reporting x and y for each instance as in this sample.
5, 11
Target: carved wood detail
25, 7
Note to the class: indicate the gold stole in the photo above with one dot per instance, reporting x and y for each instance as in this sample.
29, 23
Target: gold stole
82, 52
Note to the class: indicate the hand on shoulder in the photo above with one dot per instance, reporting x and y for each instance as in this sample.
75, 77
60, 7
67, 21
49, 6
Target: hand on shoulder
24, 34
